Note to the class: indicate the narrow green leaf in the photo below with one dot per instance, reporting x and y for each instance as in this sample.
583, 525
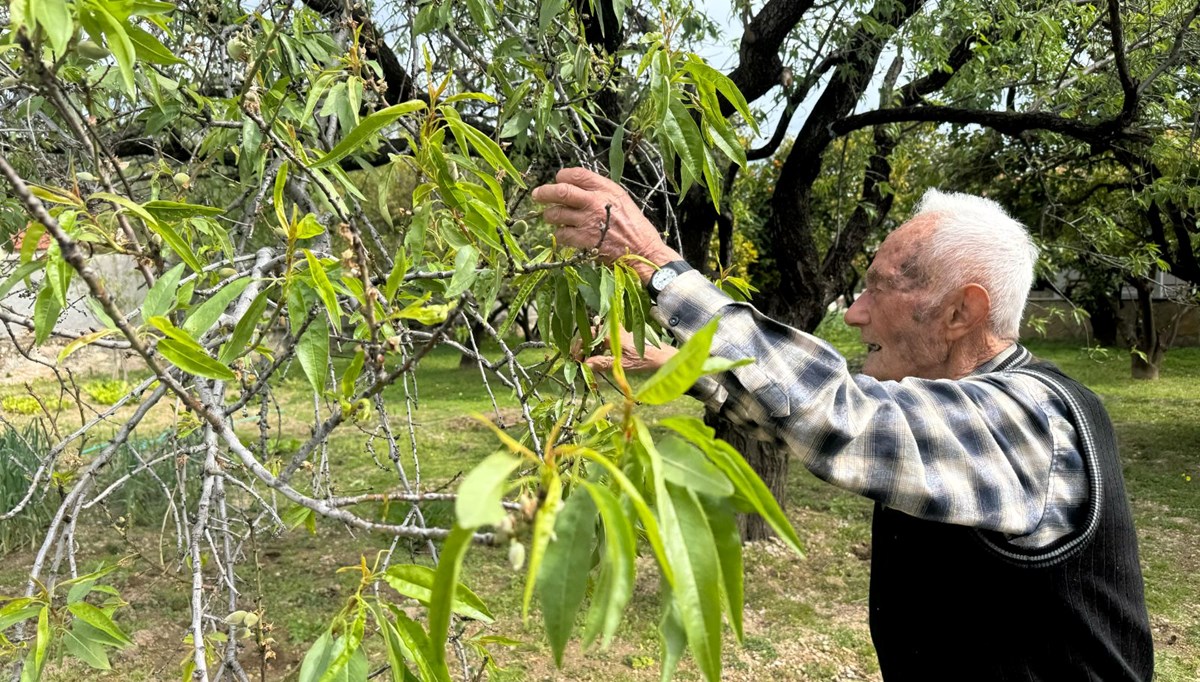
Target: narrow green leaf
679, 373
649, 523
121, 46
161, 296
465, 262
82, 341
550, 9
277, 196
177, 244
316, 661
352, 372
87, 650
687, 467
148, 48
444, 586
672, 637
99, 620
518, 302
415, 646
55, 19
205, 315
417, 582
396, 277
243, 331
18, 610
562, 580
24, 270
745, 480
616, 155
693, 554
543, 529
722, 520
45, 314
617, 573
479, 495
174, 210
32, 671
344, 667
313, 353
192, 361
324, 289
356, 138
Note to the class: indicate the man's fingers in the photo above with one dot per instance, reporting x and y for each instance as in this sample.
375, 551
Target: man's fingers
600, 363
563, 193
586, 179
561, 215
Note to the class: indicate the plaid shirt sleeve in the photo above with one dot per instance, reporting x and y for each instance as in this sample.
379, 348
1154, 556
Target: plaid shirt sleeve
993, 451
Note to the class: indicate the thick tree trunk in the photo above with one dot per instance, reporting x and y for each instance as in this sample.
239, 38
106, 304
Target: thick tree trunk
771, 463
1147, 350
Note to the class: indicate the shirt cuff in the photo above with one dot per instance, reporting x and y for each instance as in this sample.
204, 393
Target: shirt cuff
688, 303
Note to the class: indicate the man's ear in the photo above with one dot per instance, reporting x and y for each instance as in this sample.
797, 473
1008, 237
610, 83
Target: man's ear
970, 307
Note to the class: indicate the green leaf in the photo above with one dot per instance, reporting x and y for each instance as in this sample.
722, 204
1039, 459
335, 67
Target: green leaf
444, 587
313, 352
616, 155
121, 46
615, 585
528, 284
356, 138
99, 620
352, 372
161, 296
683, 369
45, 314
687, 467
722, 520
24, 270
316, 661
82, 341
205, 315
479, 495
32, 671
55, 19
174, 210
87, 650
483, 145
243, 331
344, 665
649, 523
562, 580
549, 10
309, 227
693, 555
324, 289
414, 646
396, 277
193, 361
672, 637
465, 262
149, 49
543, 529
417, 582
177, 244
745, 480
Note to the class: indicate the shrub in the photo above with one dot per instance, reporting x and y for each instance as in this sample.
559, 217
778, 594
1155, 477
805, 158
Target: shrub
22, 453
107, 391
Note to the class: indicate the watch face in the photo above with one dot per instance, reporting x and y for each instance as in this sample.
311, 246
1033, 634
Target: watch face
662, 278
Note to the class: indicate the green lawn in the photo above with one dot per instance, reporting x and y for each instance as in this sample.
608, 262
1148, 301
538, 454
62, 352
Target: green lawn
805, 617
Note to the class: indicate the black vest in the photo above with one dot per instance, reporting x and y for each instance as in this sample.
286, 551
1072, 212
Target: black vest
953, 603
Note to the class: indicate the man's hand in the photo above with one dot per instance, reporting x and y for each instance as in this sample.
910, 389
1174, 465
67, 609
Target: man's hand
630, 360
595, 212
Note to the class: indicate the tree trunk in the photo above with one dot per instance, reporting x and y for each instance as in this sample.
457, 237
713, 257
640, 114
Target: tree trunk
1147, 350
770, 462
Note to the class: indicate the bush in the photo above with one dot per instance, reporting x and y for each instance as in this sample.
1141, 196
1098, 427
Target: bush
27, 404
107, 391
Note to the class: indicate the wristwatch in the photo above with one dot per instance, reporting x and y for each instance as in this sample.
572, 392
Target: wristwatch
664, 276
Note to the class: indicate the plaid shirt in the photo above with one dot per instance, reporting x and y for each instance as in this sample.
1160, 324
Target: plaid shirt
995, 450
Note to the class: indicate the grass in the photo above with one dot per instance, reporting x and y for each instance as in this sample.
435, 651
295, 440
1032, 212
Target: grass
806, 619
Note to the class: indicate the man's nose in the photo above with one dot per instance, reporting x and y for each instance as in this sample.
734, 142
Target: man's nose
856, 315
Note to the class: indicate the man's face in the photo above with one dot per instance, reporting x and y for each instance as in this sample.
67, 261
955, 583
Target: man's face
903, 333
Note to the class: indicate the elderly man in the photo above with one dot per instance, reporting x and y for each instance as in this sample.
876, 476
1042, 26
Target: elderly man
1003, 545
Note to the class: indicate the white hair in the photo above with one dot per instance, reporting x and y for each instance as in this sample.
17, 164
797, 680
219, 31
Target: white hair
976, 241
